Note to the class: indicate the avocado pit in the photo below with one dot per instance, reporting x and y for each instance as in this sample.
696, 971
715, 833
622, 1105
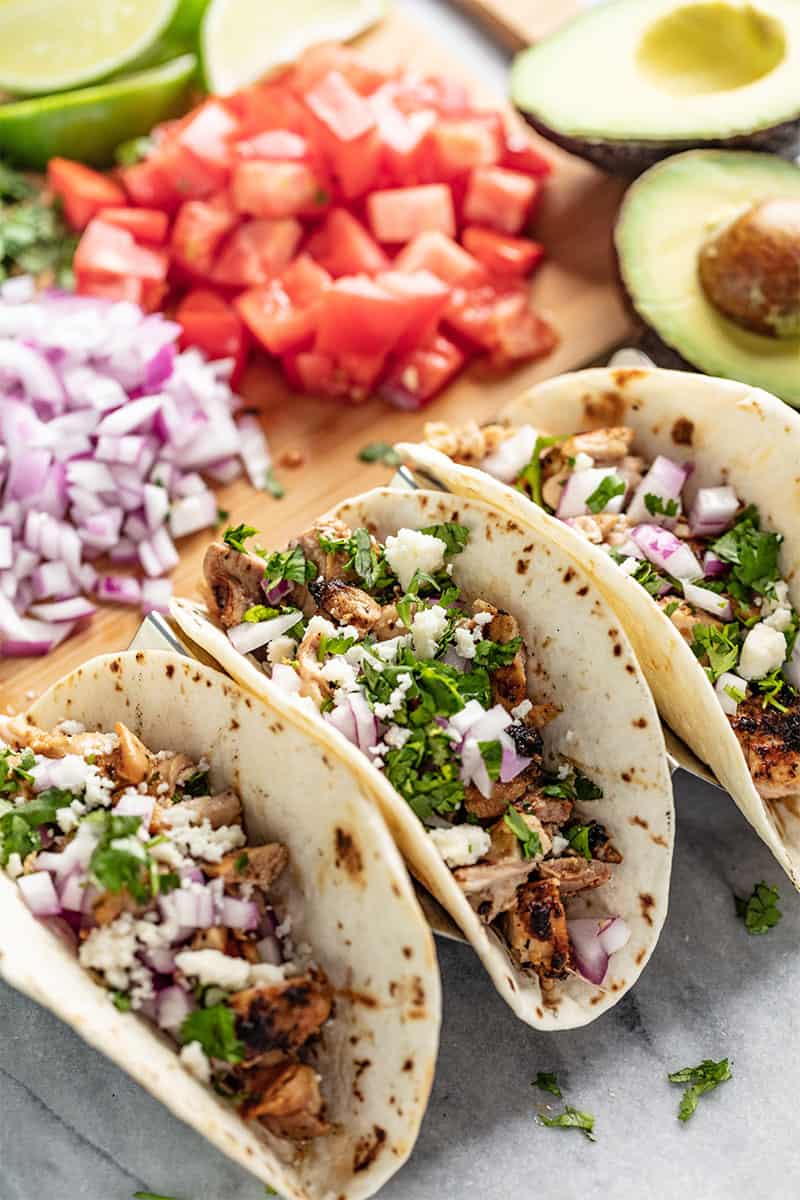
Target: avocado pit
750, 268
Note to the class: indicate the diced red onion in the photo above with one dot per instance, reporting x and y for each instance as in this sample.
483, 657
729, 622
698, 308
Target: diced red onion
39, 894
727, 702
664, 479
254, 451
667, 552
463, 721
6, 556
192, 512
239, 914
156, 505
173, 1006
124, 552
252, 635
133, 804
156, 595
190, 485
365, 721
580, 486
73, 891
713, 567
710, 602
489, 727
713, 511
591, 956
512, 455
341, 717
512, 765
161, 960
275, 594
614, 933
473, 768
119, 589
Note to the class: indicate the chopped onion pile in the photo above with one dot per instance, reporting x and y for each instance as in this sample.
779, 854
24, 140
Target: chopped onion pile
104, 430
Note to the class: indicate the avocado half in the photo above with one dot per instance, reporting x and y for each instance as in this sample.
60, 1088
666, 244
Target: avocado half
629, 82
666, 216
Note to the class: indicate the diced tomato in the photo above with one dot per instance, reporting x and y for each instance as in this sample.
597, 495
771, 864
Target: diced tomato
520, 154
501, 321
462, 143
82, 191
146, 224
356, 165
109, 287
350, 380
520, 335
149, 185
256, 251
198, 231
359, 317
442, 257
448, 96
425, 297
212, 325
417, 378
267, 106
501, 253
319, 61
499, 198
277, 144
107, 250
340, 108
399, 214
402, 135
275, 320
305, 280
278, 189
190, 177
344, 247
207, 132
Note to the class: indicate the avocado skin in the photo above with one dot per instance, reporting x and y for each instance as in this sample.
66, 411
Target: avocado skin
620, 156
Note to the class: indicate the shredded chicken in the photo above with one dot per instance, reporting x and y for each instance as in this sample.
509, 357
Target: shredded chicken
19, 735
347, 605
550, 810
329, 565
131, 760
260, 865
169, 770
287, 1100
111, 905
770, 741
606, 446
312, 682
536, 930
469, 444
233, 582
222, 809
575, 874
603, 528
509, 684
552, 487
282, 1016
491, 888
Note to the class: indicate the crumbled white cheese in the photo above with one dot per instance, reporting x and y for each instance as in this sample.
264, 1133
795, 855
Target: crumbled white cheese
727, 687
281, 649
384, 712
70, 727
167, 853
66, 819
321, 625
427, 627
771, 604
203, 842
67, 773
483, 618
98, 789
140, 986
764, 649
214, 969
583, 462
389, 649
111, 951
559, 845
630, 565
461, 845
465, 639
194, 1058
14, 865
396, 736
780, 619
520, 712
337, 670
269, 973
409, 551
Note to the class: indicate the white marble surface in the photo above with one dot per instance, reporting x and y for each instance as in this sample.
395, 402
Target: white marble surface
73, 1127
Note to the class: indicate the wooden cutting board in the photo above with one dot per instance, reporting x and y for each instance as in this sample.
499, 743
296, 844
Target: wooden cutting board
518, 23
576, 289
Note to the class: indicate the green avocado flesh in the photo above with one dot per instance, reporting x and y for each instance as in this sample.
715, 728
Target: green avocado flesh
661, 73
667, 214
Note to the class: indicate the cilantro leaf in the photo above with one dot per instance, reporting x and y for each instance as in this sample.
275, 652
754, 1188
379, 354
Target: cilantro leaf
259, 612
215, 1029
585, 788
547, 1081
752, 552
18, 826
492, 755
775, 689
530, 478
718, 645
604, 493
381, 452
492, 655
455, 537
574, 786
121, 1001
530, 843
656, 504
196, 784
272, 485
291, 565
236, 538
701, 1079
578, 838
331, 644
759, 910
571, 1118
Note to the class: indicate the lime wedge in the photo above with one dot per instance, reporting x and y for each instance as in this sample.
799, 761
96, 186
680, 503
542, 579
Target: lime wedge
88, 124
243, 39
50, 45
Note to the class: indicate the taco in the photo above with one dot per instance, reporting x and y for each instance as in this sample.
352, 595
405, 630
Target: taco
679, 493
475, 680
188, 883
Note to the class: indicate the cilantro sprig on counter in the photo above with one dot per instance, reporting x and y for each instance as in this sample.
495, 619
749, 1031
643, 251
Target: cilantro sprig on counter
547, 1081
759, 910
701, 1079
570, 1118
380, 452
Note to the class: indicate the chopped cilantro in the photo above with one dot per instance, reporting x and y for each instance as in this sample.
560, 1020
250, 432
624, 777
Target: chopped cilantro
547, 1081
242, 863
196, 784
492, 755
719, 645
773, 687
12, 774
291, 565
425, 772
574, 786
381, 452
655, 504
736, 694
585, 788
215, 1029
34, 239
492, 655
124, 865
222, 516
333, 645
759, 910
608, 487
363, 559
260, 612
653, 582
272, 485
530, 843
150, 1196
578, 838
701, 1079
752, 552
121, 1001
18, 826
571, 1118
455, 537
530, 478
670, 608
236, 538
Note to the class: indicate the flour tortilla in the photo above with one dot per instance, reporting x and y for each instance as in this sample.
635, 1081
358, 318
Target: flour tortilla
344, 870
578, 658
732, 433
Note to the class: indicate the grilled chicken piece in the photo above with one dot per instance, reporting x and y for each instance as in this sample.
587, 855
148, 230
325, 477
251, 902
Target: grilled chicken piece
509, 684
263, 866
213, 938
329, 566
469, 444
287, 1100
606, 446
282, 1016
685, 617
169, 770
485, 808
770, 741
345, 604
233, 582
131, 760
553, 486
491, 888
575, 874
111, 905
611, 528
222, 809
309, 668
389, 624
17, 733
550, 810
536, 930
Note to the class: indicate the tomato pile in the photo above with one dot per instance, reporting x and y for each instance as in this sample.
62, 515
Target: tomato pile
363, 228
